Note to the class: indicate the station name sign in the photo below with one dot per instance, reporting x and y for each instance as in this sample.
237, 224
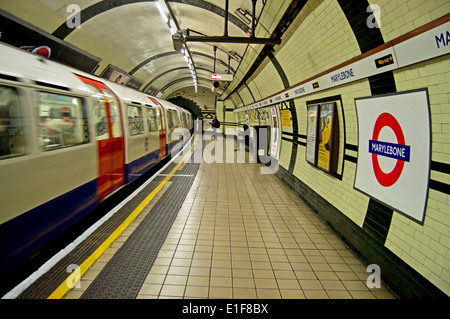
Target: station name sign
220, 77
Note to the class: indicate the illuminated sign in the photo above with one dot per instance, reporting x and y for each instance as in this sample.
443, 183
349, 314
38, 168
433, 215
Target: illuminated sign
386, 60
220, 77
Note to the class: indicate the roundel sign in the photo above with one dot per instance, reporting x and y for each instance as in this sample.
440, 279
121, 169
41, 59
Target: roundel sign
393, 157
398, 151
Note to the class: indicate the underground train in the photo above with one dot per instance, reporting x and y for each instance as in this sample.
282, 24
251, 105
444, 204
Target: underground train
67, 140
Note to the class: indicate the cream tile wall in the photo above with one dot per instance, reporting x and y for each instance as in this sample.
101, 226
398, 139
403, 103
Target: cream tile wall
426, 248
401, 16
340, 193
321, 38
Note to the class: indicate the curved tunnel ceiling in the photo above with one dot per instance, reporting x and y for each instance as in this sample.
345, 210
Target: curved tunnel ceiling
132, 36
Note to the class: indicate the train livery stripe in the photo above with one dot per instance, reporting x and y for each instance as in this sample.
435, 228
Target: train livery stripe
67, 285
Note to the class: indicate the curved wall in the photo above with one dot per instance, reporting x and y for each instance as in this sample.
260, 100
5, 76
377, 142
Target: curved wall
331, 34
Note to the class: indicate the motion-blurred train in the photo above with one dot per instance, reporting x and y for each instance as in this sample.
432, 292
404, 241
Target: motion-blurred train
67, 140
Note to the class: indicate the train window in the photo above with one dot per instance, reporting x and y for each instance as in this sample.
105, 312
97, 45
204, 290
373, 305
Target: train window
151, 120
176, 119
12, 141
170, 122
184, 120
99, 114
115, 113
135, 120
163, 120
158, 118
62, 121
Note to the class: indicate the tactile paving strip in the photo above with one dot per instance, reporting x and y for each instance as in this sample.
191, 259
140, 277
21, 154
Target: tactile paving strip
47, 283
124, 275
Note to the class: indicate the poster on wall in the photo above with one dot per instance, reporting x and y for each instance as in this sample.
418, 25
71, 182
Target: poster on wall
311, 134
325, 136
274, 140
285, 118
394, 151
121, 77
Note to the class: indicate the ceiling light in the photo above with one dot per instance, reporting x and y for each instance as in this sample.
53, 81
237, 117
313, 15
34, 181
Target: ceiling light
161, 11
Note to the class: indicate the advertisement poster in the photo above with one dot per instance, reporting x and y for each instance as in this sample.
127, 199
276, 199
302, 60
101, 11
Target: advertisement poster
121, 77
274, 140
285, 118
394, 151
311, 134
325, 138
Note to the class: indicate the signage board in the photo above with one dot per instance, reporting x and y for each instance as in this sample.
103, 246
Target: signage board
394, 151
220, 77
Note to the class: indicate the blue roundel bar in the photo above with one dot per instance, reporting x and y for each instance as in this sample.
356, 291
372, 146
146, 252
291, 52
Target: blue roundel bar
397, 151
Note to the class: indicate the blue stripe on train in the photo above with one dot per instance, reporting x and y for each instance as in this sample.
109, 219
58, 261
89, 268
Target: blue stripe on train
25, 234
141, 165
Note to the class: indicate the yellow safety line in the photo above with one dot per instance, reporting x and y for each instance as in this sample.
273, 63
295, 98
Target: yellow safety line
64, 288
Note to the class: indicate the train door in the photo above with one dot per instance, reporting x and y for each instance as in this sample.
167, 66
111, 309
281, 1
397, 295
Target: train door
160, 119
109, 135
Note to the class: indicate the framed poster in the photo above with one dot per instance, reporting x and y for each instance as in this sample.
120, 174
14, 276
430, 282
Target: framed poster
311, 134
274, 141
326, 136
394, 150
285, 115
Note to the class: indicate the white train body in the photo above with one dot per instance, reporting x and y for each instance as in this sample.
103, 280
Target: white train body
68, 139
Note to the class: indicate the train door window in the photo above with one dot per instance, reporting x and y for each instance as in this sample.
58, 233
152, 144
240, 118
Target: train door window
135, 120
158, 118
99, 114
163, 121
176, 119
115, 113
63, 121
169, 119
12, 140
151, 120
184, 120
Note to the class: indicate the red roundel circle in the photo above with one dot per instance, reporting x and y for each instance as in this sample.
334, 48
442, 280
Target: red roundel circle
387, 179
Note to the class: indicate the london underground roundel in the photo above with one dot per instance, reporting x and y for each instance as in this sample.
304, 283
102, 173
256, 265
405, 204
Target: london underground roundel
393, 164
400, 152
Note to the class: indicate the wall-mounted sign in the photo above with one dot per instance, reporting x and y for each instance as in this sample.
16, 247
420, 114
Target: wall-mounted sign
220, 77
311, 134
325, 136
394, 150
383, 61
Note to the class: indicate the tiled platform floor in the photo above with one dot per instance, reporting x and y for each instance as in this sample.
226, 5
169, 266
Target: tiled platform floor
241, 234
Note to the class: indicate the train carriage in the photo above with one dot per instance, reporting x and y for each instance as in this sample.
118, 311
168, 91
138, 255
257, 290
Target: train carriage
68, 139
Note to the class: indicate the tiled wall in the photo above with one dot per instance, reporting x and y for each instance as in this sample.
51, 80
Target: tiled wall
321, 37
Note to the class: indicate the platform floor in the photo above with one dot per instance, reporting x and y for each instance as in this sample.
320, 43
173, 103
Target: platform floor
241, 234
